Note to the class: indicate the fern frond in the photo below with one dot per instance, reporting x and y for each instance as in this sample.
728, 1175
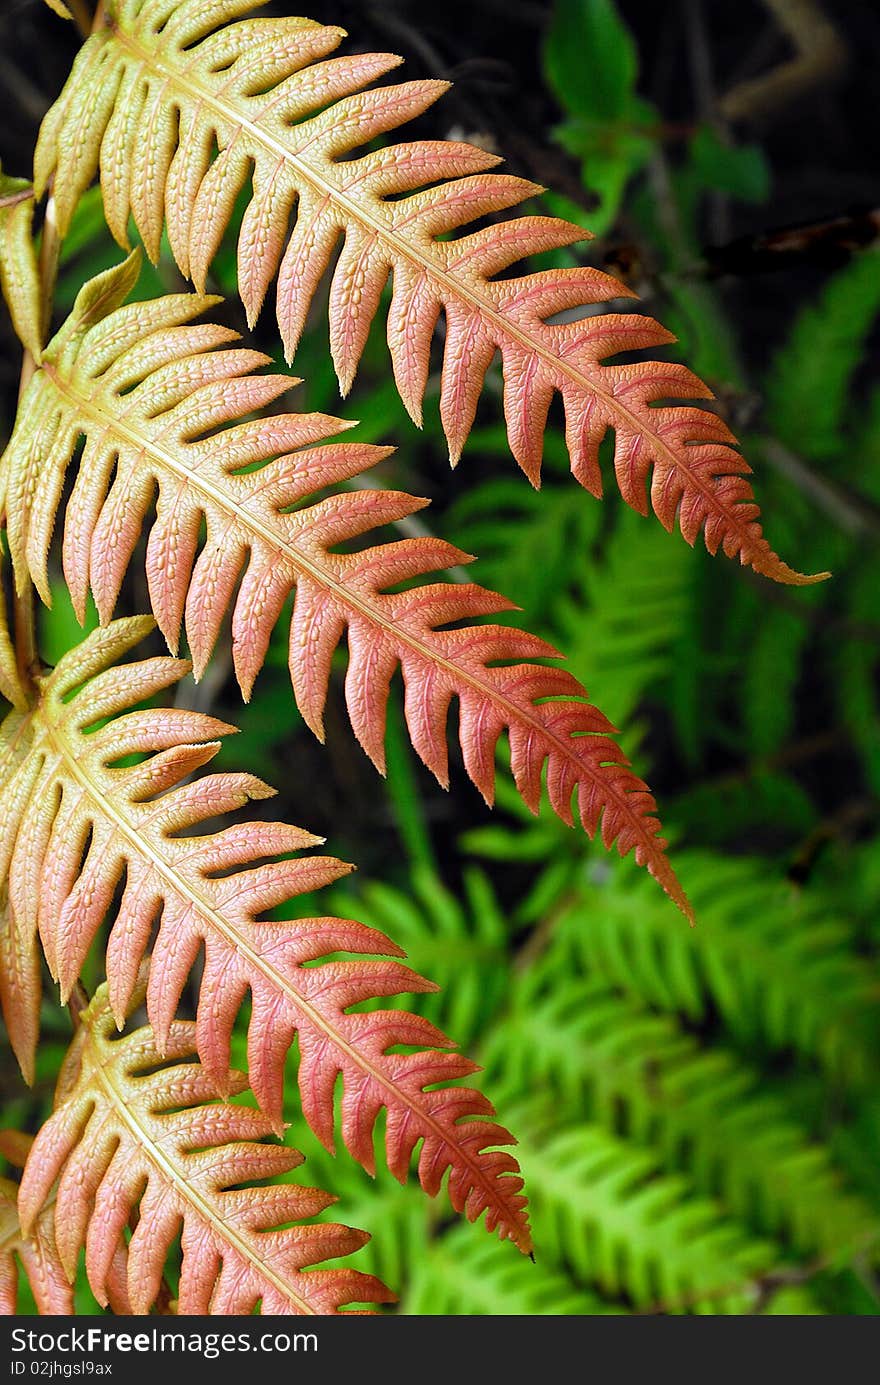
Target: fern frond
776, 963
126, 1137
36, 1253
810, 376
181, 108
151, 394
625, 619
770, 678
460, 1276
76, 824
603, 1208
703, 1111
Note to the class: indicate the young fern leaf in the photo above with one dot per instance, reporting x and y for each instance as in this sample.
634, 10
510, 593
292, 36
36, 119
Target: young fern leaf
178, 108
151, 395
36, 1253
127, 1138
76, 824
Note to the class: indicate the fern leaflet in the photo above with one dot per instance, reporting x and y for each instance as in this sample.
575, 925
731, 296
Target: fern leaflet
37, 1254
606, 1210
629, 1069
458, 1276
776, 963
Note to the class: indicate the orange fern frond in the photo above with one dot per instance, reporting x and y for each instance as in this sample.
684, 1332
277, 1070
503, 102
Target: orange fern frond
179, 108
126, 1138
76, 825
160, 410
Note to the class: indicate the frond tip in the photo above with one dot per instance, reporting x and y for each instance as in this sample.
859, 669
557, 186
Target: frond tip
80, 829
179, 112
127, 1138
240, 522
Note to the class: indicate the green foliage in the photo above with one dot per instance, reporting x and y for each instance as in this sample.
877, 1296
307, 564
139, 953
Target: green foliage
610, 1215
466, 1276
631, 1070
809, 380
739, 170
591, 65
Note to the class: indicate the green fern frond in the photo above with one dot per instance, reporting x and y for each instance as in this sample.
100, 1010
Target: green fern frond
701, 1110
623, 619
856, 662
775, 962
603, 1208
775, 651
456, 1276
810, 378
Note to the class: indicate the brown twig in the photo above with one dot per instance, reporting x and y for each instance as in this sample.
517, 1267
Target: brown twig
78, 1002
81, 16
851, 518
821, 57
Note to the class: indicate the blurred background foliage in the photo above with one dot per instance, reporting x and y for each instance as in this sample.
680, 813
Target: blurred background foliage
698, 1110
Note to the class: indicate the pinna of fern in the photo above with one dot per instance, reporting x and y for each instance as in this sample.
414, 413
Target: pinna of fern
76, 825
178, 105
137, 1130
161, 410
36, 1253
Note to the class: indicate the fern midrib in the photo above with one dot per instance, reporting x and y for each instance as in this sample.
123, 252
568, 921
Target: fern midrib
516, 712
493, 1189
145, 1144
398, 247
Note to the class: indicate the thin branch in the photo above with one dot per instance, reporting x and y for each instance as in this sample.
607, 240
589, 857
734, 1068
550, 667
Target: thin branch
821, 57
845, 513
24, 635
78, 1003
81, 16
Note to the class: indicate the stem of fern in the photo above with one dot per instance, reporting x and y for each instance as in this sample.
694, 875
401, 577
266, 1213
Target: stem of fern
78, 1002
81, 16
24, 635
